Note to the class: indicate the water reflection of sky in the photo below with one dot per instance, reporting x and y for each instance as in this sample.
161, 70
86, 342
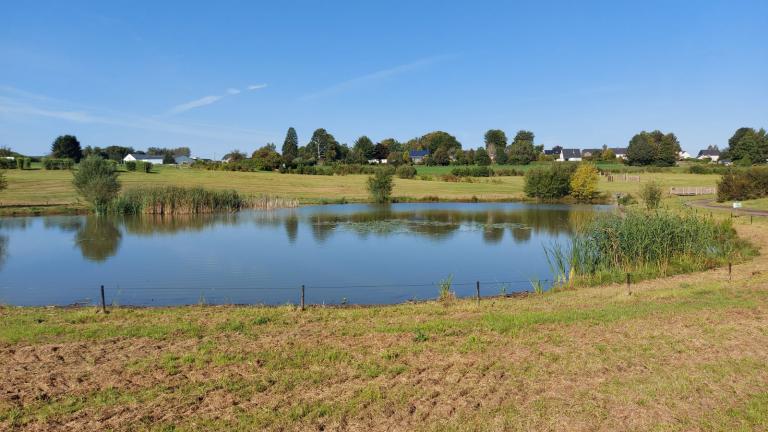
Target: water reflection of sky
263, 257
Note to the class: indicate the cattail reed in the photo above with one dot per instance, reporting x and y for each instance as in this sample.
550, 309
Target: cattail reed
195, 200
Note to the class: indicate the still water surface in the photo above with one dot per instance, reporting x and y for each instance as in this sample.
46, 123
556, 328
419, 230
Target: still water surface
359, 254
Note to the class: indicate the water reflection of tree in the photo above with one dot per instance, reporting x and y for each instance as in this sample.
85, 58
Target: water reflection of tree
98, 238
443, 223
64, 223
292, 227
3, 250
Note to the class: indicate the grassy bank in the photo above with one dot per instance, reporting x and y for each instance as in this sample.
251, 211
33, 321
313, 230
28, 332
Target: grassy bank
43, 191
682, 353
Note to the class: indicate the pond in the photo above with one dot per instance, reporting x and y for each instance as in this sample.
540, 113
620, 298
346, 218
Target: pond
357, 254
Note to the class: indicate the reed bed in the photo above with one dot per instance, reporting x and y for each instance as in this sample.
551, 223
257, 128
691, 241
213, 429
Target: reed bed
646, 244
195, 200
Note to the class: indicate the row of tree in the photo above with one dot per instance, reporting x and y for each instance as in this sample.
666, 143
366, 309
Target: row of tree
747, 146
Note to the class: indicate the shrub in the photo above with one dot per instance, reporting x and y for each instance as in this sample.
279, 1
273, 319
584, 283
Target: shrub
507, 172
549, 183
743, 184
3, 181
130, 166
584, 182
23, 163
7, 163
626, 200
96, 181
145, 167
445, 294
472, 171
58, 164
380, 185
651, 194
406, 172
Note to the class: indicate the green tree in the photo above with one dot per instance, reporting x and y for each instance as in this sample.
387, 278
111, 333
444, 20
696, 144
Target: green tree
549, 183
640, 150
440, 157
502, 158
584, 182
434, 141
67, 146
365, 147
651, 194
290, 148
380, 185
168, 159
667, 151
234, 156
522, 150
747, 144
323, 146
495, 143
96, 181
482, 158
657, 148
267, 158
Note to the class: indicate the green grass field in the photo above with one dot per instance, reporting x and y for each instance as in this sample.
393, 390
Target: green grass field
32, 191
679, 354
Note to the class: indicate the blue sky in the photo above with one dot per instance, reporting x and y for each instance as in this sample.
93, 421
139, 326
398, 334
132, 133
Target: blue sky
222, 75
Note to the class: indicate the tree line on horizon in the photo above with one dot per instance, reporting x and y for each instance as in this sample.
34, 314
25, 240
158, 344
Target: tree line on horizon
747, 146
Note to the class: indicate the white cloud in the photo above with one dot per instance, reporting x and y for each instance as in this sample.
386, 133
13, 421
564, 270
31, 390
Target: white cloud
375, 76
210, 99
197, 103
18, 103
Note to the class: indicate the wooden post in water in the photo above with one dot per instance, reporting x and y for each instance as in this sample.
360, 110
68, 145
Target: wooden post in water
629, 284
302, 297
478, 292
103, 302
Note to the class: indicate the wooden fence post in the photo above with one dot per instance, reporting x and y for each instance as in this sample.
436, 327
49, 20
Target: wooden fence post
478, 292
302, 297
629, 284
730, 268
103, 302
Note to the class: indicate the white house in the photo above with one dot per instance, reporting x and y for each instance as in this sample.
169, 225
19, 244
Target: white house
620, 152
683, 155
712, 154
143, 157
572, 155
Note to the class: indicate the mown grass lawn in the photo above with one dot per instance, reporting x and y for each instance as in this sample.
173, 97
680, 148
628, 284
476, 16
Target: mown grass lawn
681, 353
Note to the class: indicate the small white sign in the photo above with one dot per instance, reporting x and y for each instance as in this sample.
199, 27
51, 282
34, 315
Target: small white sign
736, 205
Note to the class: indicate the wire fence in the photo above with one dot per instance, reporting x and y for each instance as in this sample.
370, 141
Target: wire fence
390, 293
